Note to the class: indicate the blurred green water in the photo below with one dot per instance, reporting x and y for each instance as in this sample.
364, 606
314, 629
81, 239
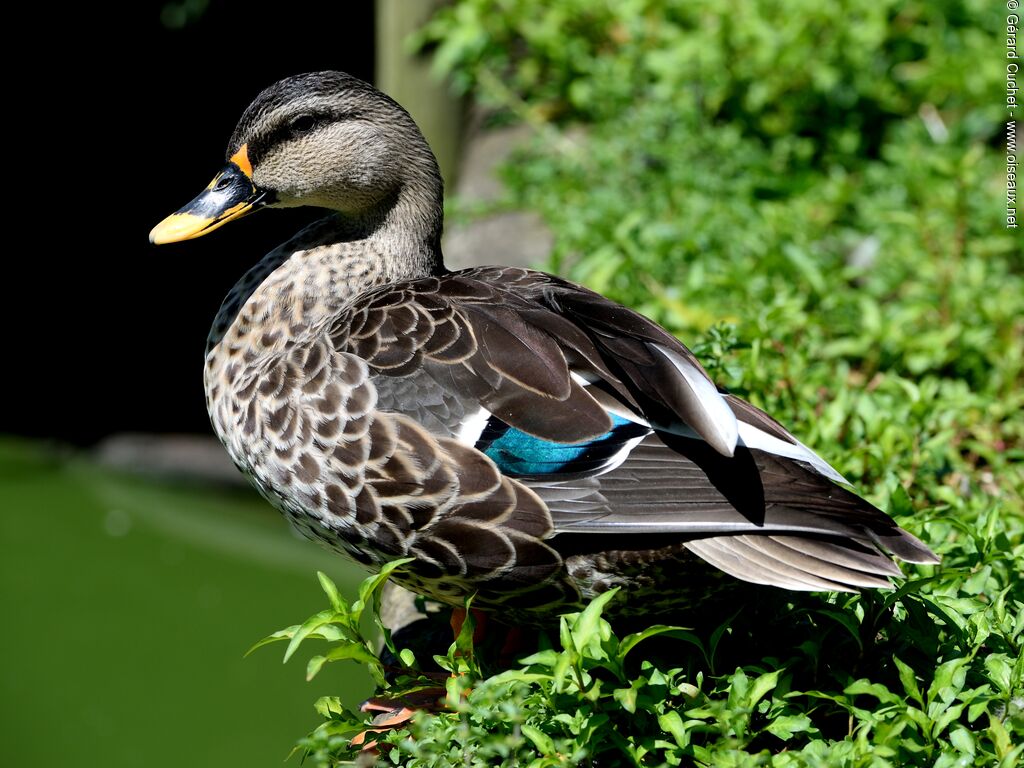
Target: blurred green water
127, 607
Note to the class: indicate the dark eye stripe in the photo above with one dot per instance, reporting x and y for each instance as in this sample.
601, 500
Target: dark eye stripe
300, 125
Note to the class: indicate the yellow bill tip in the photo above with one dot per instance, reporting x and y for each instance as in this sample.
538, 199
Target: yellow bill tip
178, 227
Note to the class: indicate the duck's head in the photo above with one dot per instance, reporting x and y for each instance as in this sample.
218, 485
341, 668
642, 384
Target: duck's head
324, 139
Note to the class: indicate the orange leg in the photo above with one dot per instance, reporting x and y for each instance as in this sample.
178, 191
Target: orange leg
394, 713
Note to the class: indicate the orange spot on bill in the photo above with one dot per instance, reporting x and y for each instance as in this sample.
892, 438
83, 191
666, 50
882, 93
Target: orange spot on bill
241, 159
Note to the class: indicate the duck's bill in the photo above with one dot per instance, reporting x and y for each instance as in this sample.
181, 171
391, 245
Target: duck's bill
229, 196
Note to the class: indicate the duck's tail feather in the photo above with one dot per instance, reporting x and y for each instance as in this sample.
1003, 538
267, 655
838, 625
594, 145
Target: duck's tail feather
761, 517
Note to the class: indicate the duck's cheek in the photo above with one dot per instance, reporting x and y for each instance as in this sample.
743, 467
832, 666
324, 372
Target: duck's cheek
294, 175
351, 190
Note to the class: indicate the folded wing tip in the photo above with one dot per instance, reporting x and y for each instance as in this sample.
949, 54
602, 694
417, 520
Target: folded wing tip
705, 407
908, 548
724, 444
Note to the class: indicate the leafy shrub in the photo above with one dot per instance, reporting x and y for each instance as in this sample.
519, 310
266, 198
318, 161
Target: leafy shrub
583, 701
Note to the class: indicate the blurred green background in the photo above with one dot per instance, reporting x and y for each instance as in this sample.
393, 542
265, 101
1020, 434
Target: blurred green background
128, 606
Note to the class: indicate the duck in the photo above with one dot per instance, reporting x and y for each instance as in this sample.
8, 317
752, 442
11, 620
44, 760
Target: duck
515, 436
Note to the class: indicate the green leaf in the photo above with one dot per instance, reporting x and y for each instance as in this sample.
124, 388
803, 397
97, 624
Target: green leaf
585, 629
948, 681
879, 691
284, 634
748, 694
547, 658
307, 627
352, 650
313, 666
672, 723
787, 726
331, 590
626, 698
1000, 738
463, 645
909, 681
540, 740
963, 740
339, 719
631, 641
999, 670
943, 718
372, 585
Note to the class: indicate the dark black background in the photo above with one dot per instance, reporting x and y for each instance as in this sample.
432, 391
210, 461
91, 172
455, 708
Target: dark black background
106, 332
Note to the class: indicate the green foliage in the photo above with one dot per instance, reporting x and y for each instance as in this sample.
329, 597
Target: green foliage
596, 698
810, 194
341, 624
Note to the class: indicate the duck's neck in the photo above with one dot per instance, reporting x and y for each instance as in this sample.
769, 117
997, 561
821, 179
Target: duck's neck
405, 230
303, 284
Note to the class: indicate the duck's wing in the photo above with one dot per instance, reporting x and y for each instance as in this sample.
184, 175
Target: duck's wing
617, 428
530, 347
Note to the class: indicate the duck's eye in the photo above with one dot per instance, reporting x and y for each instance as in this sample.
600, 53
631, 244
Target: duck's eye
302, 124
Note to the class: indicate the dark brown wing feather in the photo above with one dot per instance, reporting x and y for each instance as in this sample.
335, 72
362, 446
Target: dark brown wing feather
657, 372
508, 337
476, 339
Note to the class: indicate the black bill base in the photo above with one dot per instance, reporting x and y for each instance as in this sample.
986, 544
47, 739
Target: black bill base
231, 195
